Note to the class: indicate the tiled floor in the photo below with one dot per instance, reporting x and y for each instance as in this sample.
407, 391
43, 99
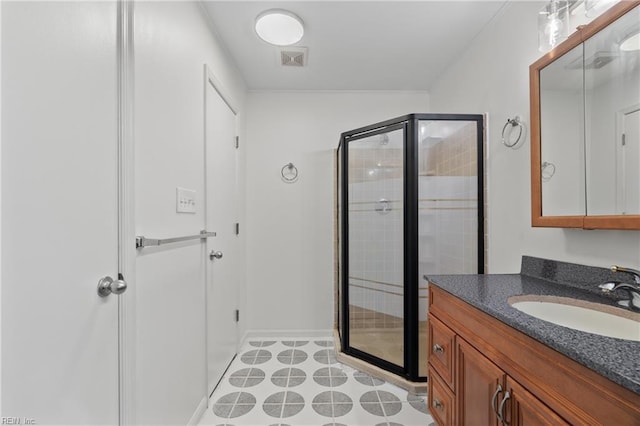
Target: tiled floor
300, 383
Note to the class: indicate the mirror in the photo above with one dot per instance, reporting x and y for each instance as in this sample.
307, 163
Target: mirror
612, 109
585, 126
561, 123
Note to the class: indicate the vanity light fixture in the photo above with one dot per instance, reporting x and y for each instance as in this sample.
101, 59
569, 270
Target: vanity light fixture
552, 24
631, 43
279, 27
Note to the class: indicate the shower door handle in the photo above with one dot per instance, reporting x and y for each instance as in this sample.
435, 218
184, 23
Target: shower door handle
215, 255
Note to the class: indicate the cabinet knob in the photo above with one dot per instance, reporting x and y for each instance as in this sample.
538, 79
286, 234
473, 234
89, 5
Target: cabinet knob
437, 404
437, 349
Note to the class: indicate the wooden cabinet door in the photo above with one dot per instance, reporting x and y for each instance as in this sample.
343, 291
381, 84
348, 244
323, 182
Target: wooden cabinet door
479, 384
441, 350
441, 400
524, 409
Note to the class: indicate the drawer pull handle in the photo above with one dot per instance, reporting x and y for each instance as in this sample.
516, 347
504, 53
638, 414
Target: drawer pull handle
437, 404
494, 407
501, 409
437, 349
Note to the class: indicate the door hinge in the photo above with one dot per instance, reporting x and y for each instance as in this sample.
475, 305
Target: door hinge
624, 139
237, 142
237, 315
237, 228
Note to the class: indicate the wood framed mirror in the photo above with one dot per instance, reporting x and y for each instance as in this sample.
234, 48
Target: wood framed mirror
585, 126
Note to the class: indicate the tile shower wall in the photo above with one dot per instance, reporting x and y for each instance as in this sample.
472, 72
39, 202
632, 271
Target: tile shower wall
376, 261
447, 222
448, 206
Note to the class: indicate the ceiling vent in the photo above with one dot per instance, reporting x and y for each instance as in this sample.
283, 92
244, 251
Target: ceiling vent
293, 57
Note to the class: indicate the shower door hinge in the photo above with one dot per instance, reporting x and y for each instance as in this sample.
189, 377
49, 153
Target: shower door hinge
237, 228
237, 142
237, 315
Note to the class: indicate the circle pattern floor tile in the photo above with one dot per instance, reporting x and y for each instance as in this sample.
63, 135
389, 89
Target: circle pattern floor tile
325, 356
288, 377
247, 377
366, 379
234, 404
295, 343
292, 356
256, 356
332, 404
283, 404
262, 343
330, 377
381, 403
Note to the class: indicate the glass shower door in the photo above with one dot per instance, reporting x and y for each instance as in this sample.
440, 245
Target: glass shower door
449, 201
375, 209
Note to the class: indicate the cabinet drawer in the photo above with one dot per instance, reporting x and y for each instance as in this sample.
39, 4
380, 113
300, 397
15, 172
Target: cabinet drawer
441, 350
440, 399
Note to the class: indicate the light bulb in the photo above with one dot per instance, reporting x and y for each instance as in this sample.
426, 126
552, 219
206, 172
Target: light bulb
553, 30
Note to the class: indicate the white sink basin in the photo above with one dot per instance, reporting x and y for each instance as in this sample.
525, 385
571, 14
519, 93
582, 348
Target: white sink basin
580, 315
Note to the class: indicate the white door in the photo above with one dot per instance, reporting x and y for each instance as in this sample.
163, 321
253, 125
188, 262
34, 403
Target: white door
59, 212
223, 249
631, 162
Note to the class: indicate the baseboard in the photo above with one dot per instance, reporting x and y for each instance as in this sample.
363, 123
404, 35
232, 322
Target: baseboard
200, 410
285, 334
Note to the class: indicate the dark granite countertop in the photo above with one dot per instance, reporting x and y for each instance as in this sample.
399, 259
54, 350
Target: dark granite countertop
616, 359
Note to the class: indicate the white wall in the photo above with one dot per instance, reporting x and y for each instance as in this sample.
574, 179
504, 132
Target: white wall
493, 76
173, 41
290, 226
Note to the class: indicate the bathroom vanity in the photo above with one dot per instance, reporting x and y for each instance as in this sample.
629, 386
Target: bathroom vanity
490, 364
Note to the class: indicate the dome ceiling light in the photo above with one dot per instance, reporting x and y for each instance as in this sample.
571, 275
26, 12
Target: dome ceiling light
279, 27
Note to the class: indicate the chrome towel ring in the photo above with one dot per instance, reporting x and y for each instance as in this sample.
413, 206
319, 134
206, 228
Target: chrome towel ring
289, 173
506, 135
547, 171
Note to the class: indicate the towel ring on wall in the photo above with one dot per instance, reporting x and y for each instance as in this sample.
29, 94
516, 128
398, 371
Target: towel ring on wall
506, 138
289, 173
547, 171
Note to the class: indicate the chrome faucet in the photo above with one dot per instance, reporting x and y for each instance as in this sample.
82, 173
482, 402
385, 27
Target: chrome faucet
633, 290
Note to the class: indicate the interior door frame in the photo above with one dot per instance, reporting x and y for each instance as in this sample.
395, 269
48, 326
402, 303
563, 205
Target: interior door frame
126, 214
620, 171
1, 217
211, 79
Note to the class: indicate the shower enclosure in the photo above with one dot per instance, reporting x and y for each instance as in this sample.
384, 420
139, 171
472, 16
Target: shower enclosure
410, 203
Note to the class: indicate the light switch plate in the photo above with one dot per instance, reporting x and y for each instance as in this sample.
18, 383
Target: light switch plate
185, 200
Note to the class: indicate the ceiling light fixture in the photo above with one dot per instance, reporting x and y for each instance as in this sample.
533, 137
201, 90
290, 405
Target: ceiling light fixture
279, 27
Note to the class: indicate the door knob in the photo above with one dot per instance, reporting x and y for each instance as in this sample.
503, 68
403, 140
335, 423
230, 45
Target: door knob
215, 255
107, 285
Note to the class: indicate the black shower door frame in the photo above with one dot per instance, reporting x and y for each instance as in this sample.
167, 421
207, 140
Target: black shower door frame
409, 124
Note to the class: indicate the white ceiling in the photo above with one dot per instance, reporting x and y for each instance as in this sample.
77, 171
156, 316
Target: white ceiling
354, 45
